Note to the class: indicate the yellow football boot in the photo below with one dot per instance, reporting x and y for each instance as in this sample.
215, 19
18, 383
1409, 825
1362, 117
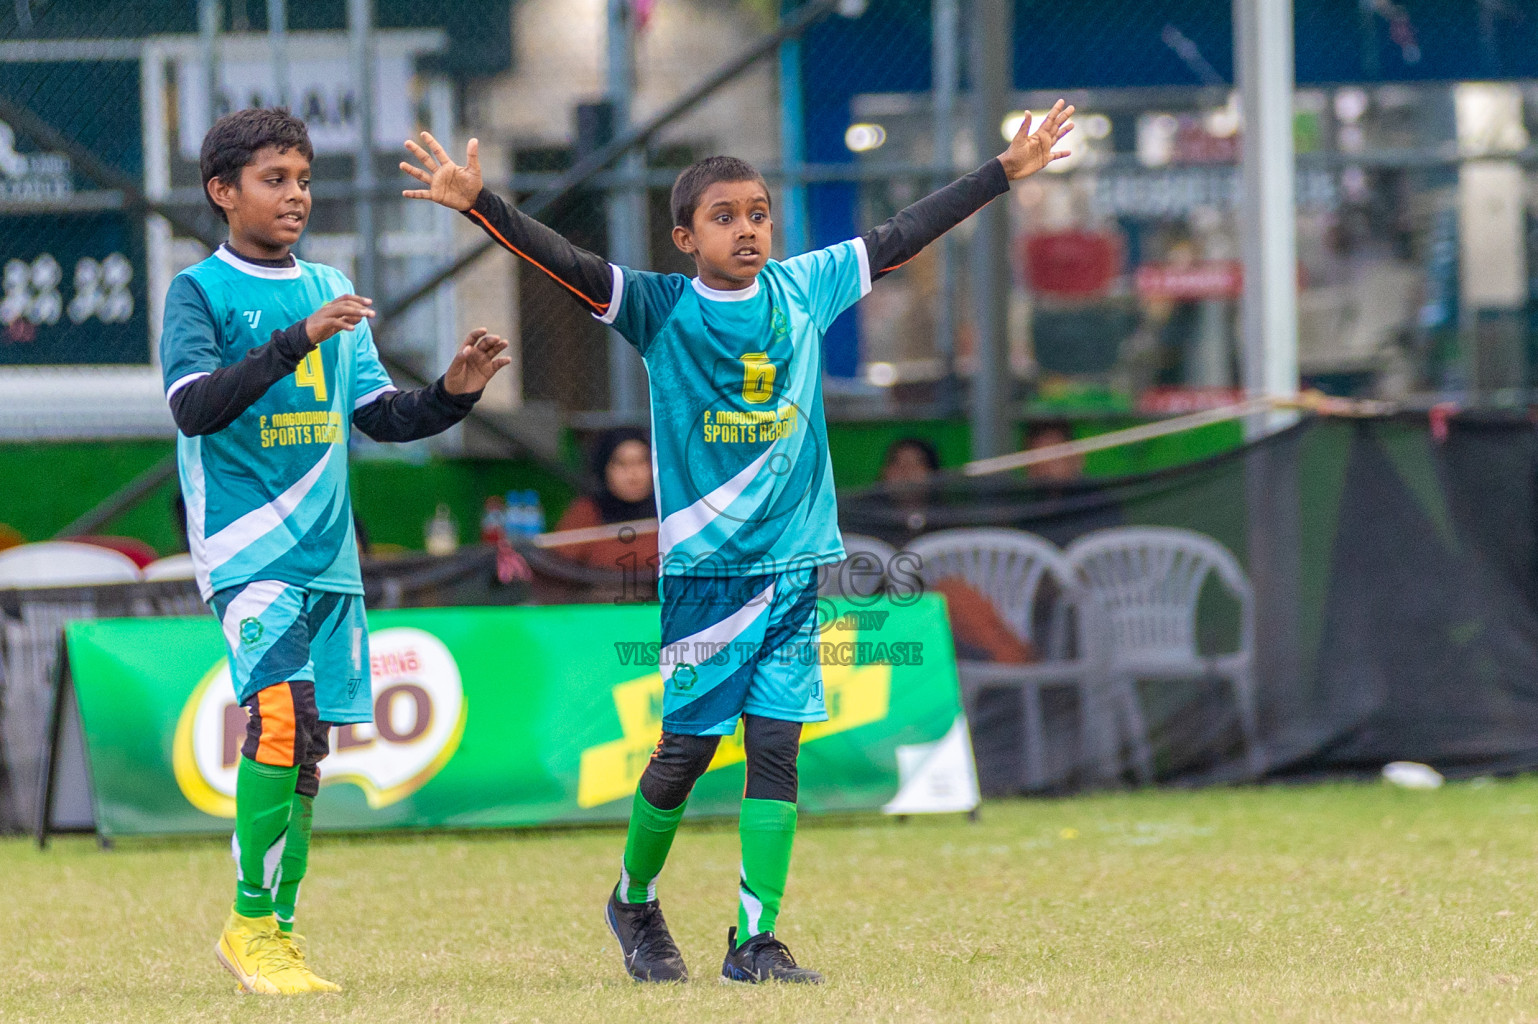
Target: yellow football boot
262, 959
296, 945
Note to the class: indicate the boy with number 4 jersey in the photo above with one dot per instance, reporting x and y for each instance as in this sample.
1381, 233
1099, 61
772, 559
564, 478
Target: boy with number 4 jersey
269, 364
744, 493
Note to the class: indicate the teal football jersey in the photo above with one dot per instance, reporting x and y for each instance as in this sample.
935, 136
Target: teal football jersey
744, 481
267, 496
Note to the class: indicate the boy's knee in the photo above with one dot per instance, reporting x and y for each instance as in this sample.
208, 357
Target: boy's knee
284, 728
772, 748
676, 765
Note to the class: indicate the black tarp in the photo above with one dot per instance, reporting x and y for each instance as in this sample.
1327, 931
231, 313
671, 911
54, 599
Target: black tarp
1395, 577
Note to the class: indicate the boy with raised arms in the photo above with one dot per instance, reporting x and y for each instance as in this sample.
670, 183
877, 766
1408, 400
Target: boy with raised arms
744, 494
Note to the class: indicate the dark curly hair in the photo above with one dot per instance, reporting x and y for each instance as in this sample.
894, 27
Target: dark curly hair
702, 174
236, 137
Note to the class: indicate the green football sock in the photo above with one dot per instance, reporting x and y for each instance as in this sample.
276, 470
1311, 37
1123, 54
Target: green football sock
296, 858
263, 797
646, 849
768, 831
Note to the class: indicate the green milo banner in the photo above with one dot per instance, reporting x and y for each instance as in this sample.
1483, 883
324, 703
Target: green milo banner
510, 716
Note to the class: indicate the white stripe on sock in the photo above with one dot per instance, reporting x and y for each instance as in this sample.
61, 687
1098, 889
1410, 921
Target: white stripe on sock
272, 863
751, 906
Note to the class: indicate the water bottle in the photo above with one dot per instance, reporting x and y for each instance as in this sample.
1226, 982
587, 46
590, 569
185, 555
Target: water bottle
536, 513
513, 516
525, 516
493, 520
441, 535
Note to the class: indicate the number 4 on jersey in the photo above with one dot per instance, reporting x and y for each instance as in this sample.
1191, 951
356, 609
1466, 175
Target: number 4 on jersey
312, 374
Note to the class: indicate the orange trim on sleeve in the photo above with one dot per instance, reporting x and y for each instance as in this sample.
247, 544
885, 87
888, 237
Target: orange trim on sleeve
276, 706
904, 263
598, 307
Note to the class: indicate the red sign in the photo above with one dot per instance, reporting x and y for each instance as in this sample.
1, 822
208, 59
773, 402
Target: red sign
1072, 264
1177, 401
1215, 279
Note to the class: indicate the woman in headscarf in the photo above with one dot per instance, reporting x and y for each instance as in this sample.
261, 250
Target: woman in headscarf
622, 469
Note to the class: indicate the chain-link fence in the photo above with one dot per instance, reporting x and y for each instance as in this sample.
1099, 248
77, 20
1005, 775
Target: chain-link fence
1418, 262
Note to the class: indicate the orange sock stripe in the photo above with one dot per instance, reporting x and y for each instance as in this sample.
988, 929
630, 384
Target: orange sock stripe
598, 307
276, 704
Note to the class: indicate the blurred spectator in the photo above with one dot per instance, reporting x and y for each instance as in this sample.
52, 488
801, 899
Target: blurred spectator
622, 468
909, 460
907, 473
1065, 469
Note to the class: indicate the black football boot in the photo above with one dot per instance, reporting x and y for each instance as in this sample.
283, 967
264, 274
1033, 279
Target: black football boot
650, 953
762, 958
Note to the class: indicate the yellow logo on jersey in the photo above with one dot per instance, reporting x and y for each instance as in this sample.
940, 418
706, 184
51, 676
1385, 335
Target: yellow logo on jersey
757, 378
312, 374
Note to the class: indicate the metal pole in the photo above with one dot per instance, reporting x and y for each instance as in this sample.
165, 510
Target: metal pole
209, 16
360, 24
1268, 224
992, 22
945, 62
626, 206
795, 224
277, 41
1263, 45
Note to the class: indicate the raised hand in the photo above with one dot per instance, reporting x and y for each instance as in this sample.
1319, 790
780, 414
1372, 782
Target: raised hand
448, 184
476, 362
1030, 151
342, 313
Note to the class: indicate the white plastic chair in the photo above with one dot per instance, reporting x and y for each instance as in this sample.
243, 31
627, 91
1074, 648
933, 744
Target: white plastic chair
862, 575
1009, 567
171, 567
60, 563
1144, 584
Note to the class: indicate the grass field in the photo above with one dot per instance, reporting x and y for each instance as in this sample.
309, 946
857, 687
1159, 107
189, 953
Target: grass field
1329, 903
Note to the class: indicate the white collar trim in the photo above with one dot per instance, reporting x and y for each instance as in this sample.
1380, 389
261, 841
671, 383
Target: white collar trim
718, 295
229, 256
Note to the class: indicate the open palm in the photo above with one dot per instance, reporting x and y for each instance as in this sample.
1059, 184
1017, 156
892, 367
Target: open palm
476, 362
448, 184
1030, 151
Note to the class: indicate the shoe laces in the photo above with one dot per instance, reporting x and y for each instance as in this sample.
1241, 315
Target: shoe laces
275, 951
651, 929
296, 944
775, 951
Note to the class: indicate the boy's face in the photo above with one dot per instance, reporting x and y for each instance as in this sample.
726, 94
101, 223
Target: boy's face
270, 206
730, 236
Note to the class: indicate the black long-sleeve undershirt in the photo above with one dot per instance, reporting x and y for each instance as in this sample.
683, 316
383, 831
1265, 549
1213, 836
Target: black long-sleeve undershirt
589, 279
905, 235
411, 415
209, 404
585, 275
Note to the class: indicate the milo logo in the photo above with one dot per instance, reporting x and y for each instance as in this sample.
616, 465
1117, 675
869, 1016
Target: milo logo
419, 717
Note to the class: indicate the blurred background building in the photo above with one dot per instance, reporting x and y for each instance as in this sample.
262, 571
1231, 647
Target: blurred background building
1415, 200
